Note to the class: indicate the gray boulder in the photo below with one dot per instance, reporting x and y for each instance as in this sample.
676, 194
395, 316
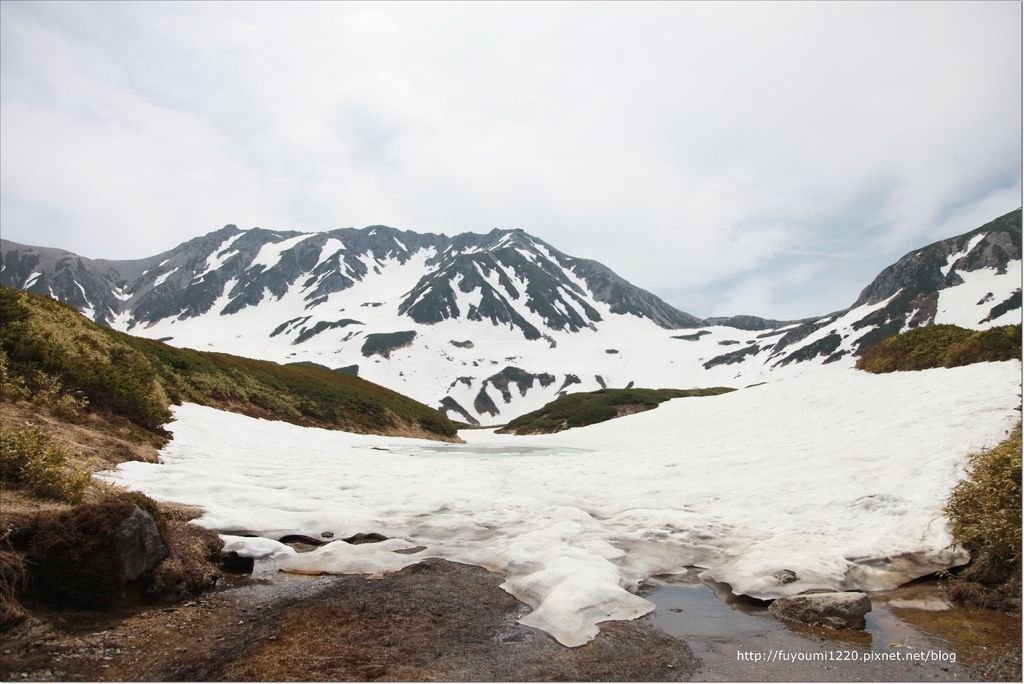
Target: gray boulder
836, 610
137, 540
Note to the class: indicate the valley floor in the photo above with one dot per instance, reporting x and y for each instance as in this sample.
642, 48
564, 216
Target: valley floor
499, 549
838, 479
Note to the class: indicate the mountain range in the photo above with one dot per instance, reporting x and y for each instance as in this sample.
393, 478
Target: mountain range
489, 326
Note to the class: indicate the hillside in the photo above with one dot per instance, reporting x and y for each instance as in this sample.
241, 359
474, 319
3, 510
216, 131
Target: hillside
587, 408
48, 347
487, 327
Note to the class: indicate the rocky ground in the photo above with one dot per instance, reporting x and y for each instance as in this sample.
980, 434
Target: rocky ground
433, 621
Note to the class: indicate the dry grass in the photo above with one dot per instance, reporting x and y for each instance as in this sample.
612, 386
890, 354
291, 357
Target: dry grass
191, 565
12, 580
985, 516
31, 460
100, 442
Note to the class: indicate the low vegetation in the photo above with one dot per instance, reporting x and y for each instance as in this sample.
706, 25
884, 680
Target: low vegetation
985, 516
51, 354
941, 346
77, 397
30, 460
587, 408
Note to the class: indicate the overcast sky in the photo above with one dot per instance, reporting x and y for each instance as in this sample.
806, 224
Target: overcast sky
732, 158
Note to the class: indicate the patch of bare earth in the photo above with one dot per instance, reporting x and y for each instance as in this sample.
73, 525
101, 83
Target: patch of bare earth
102, 442
433, 621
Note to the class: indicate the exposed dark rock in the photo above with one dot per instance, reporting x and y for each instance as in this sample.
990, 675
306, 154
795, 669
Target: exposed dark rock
464, 344
570, 379
462, 379
137, 540
348, 370
291, 323
449, 406
921, 270
385, 343
1009, 304
522, 379
836, 610
484, 404
801, 331
823, 347
732, 357
923, 307
623, 297
321, 326
728, 343
365, 538
748, 322
601, 382
785, 576
240, 565
611, 351
692, 337
301, 539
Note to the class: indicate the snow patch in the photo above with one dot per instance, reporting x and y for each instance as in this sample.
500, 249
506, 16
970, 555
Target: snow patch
271, 252
959, 305
953, 258
160, 279
838, 476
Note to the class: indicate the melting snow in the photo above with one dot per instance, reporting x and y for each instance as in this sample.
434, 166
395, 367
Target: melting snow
271, 253
331, 247
220, 255
839, 476
160, 279
953, 258
959, 305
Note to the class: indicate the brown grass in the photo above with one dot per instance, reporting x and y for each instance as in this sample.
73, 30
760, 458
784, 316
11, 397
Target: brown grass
72, 558
191, 565
102, 442
12, 579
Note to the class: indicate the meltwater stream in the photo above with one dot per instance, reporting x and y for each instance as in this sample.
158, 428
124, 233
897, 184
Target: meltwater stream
839, 478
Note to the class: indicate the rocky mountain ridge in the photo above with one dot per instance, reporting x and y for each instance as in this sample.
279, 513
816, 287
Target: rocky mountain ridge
488, 326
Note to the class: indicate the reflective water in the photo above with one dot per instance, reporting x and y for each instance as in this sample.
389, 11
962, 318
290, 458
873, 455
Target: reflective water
912, 634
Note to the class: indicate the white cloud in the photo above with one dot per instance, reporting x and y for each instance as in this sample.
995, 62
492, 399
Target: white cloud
685, 145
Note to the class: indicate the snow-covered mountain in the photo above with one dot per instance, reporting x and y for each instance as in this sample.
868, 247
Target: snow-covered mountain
489, 326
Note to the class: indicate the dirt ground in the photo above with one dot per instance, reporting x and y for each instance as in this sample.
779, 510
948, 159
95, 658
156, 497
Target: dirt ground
436, 621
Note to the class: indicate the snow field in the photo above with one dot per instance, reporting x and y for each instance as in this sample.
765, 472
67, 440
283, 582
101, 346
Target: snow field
839, 476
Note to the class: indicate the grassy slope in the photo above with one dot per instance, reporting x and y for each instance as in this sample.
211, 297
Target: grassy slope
587, 408
941, 346
984, 509
46, 342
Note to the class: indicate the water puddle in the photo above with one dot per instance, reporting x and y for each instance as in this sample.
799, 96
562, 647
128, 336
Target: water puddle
912, 634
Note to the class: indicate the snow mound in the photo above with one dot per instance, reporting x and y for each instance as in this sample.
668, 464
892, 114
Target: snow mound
838, 477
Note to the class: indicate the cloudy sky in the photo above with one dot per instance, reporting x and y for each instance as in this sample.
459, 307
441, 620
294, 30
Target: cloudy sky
733, 158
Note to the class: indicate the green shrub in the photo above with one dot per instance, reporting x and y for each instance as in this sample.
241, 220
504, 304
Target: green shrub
996, 344
30, 459
65, 353
73, 365
586, 408
985, 513
941, 346
12, 385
